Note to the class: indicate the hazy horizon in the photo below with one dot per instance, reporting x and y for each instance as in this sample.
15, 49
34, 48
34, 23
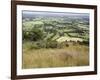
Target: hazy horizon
48, 13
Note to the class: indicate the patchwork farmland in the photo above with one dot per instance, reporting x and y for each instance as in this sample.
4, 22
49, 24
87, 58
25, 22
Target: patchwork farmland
55, 39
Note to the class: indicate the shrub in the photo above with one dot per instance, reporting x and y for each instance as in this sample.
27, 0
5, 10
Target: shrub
51, 44
62, 45
34, 46
41, 44
84, 42
67, 45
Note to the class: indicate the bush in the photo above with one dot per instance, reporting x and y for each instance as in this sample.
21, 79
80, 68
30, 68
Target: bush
41, 44
67, 45
26, 35
34, 46
84, 43
51, 44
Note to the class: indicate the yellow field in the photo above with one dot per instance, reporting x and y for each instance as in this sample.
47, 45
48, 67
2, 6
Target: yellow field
77, 55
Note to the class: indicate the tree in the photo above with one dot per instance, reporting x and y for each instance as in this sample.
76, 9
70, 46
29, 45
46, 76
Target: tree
36, 34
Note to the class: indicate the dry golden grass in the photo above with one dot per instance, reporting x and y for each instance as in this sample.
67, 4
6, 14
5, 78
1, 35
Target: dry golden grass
42, 58
77, 55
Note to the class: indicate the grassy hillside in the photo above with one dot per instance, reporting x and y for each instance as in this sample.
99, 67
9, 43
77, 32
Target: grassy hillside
77, 55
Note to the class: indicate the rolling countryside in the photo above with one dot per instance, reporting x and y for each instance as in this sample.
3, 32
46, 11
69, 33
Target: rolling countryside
55, 39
